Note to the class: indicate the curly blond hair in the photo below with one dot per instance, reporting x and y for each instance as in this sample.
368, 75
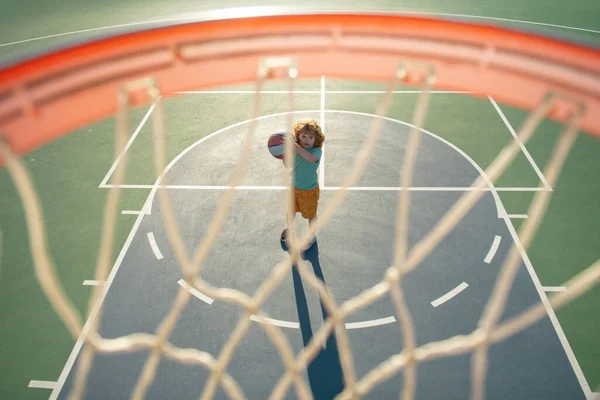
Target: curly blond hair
311, 127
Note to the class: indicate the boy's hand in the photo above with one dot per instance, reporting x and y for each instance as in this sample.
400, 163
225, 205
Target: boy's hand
295, 145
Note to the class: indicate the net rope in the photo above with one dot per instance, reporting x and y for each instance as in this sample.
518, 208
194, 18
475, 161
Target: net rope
489, 331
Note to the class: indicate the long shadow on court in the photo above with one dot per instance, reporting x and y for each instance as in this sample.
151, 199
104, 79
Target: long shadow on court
325, 371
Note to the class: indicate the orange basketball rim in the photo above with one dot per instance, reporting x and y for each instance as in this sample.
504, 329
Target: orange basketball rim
54, 94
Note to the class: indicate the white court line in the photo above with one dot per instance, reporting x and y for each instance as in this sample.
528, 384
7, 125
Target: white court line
519, 189
322, 115
517, 216
277, 322
368, 324
206, 15
93, 283
352, 188
397, 91
129, 142
195, 292
434, 189
130, 212
322, 91
520, 21
521, 145
554, 288
154, 246
198, 187
499, 207
73, 356
89, 30
493, 249
350, 325
221, 13
449, 295
42, 384
249, 92
585, 387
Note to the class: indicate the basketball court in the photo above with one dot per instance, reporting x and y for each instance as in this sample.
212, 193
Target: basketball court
446, 293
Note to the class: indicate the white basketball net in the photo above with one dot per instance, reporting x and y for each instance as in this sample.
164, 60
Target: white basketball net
489, 330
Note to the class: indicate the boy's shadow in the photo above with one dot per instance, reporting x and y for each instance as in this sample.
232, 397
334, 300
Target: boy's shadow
325, 371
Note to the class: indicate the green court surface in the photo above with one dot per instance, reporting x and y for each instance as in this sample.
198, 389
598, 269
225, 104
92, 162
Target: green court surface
68, 173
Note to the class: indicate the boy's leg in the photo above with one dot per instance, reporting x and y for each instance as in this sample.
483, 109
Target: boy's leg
306, 202
297, 210
285, 230
311, 221
312, 205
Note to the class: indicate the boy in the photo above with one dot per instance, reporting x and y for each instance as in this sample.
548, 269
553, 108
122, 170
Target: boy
308, 142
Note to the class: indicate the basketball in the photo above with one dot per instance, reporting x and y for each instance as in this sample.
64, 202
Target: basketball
276, 145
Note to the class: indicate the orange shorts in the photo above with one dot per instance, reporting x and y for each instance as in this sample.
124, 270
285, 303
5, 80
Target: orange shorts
307, 201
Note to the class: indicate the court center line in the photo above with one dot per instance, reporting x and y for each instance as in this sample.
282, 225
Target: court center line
42, 384
521, 145
322, 117
74, 353
493, 249
442, 299
517, 216
205, 15
207, 299
129, 142
554, 288
585, 387
93, 283
154, 246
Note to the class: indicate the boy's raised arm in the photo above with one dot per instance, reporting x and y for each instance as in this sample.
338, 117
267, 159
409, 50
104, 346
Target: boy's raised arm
307, 155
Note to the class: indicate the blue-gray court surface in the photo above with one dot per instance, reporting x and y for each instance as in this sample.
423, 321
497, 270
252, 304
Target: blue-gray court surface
446, 294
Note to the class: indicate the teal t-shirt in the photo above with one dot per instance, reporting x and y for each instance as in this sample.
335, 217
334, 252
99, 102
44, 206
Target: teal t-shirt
305, 173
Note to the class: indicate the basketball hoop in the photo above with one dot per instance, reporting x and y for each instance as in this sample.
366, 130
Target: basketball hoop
46, 97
